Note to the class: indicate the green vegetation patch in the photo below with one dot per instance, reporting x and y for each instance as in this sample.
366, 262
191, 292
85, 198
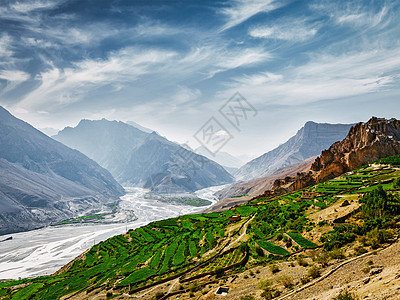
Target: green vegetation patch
28, 291
302, 241
272, 248
246, 211
179, 256
138, 275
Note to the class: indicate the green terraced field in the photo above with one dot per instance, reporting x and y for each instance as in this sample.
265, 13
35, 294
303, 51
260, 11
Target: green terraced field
302, 241
272, 248
164, 248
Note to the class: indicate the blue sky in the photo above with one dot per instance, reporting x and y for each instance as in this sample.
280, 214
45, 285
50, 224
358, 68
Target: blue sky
171, 65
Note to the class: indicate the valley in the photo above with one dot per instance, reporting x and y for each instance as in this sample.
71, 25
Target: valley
52, 247
295, 240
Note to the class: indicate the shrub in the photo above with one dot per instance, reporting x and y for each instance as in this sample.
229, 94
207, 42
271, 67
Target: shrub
248, 297
159, 295
267, 295
314, 272
274, 268
259, 251
360, 250
345, 295
322, 259
302, 262
286, 281
337, 254
264, 284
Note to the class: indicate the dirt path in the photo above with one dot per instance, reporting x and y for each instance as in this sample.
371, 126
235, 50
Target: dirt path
242, 235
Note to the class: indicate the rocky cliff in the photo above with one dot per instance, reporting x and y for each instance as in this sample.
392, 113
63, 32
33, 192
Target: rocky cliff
365, 143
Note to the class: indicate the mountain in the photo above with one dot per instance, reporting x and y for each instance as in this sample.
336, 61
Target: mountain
243, 191
309, 141
228, 161
365, 143
140, 127
139, 158
42, 181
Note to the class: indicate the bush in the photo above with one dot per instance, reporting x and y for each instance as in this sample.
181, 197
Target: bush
259, 251
337, 254
345, 295
360, 250
248, 297
286, 281
264, 284
314, 272
274, 268
159, 295
322, 259
302, 262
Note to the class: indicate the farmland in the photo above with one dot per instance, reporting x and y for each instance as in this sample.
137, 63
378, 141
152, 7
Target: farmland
198, 245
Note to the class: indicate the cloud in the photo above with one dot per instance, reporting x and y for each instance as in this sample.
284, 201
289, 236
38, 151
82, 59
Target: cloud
5, 42
357, 13
242, 10
290, 30
14, 76
28, 6
63, 86
185, 95
324, 77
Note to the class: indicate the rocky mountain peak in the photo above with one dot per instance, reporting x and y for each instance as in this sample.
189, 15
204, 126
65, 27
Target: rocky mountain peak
366, 142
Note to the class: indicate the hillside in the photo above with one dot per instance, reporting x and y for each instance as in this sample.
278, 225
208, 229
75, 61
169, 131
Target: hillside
333, 238
139, 158
309, 141
365, 143
243, 191
42, 181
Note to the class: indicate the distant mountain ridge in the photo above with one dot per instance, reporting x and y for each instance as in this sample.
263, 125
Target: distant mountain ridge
309, 141
42, 180
143, 159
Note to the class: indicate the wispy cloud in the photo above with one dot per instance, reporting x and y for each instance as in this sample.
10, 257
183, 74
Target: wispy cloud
69, 85
290, 30
29, 6
325, 77
5, 42
12, 79
242, 10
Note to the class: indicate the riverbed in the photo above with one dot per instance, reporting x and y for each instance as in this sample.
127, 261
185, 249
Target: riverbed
44, 251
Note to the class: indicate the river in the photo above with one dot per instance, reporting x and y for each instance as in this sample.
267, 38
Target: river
44, 251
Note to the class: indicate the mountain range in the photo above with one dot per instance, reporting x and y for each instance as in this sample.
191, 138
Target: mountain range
42, 180
139, 158
309, 141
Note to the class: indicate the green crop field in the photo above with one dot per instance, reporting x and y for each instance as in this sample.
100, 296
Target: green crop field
272, 248
302, 241
165, 248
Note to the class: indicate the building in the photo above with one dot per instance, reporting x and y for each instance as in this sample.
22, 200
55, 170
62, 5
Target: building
235, 218
309, 195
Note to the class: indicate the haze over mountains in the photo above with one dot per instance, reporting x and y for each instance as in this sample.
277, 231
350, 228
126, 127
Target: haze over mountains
139, 158
42, 181
309, 141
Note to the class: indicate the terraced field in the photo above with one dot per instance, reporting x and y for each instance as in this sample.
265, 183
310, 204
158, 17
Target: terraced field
194, 245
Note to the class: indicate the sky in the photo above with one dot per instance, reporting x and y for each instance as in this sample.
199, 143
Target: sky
179, 67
